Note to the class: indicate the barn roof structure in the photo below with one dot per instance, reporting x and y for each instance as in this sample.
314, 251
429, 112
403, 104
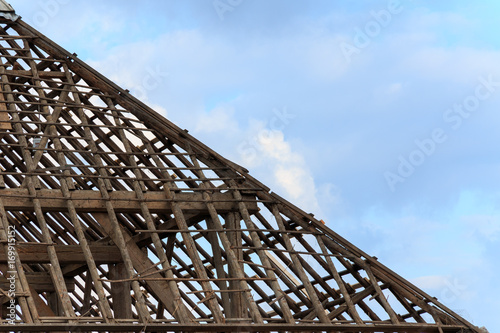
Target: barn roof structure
113, 219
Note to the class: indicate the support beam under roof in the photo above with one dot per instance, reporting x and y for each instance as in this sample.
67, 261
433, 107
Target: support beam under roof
19, 199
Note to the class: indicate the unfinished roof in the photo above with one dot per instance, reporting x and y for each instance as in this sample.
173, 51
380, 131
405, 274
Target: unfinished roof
122, 221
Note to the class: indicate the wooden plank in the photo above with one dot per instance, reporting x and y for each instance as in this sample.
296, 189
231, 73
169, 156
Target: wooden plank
87, 295
238, 305
234, 327
41, 74
122, 201
67, 254
41, 307
120, 292
4, 116
41, 282
219, 268
380, 295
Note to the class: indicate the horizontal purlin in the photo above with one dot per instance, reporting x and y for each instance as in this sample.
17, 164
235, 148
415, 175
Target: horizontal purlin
18, 199
67, 254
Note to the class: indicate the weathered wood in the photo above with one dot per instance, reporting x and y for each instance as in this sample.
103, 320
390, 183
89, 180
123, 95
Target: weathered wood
168, 228
219, 268
67, 254
214, 222
4, 116
141, 262
139, 188
381, 296
43, 74
230, 327
343, 290
54, 303
42, 309
55, 269
87, 295
120, 292
41, 282
312, 293
238, 305
109, 170
122, 201
27, 303
281, 297
170, 193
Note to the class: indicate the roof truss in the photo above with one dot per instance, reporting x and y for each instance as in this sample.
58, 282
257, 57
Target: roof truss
122, 221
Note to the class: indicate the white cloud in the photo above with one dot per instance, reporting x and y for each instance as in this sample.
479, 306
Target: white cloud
274, 145
289, 168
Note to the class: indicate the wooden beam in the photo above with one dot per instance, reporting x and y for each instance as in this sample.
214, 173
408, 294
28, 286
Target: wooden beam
143, 239
237, 300
4, 116
42, 74
123, 201
232, 327
120, 292
67, 254
41, 282
141, 262
41, 306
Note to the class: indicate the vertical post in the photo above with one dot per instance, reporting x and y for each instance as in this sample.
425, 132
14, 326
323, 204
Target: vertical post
219, 267
4, 115
55, 304
120, 292
237, 301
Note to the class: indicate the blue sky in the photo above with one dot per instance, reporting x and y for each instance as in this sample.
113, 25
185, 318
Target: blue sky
394, 142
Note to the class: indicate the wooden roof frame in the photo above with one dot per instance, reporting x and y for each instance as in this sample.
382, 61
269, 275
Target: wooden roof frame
114, 219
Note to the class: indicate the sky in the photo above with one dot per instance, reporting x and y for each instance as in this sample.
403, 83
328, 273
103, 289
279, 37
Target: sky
380, 117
